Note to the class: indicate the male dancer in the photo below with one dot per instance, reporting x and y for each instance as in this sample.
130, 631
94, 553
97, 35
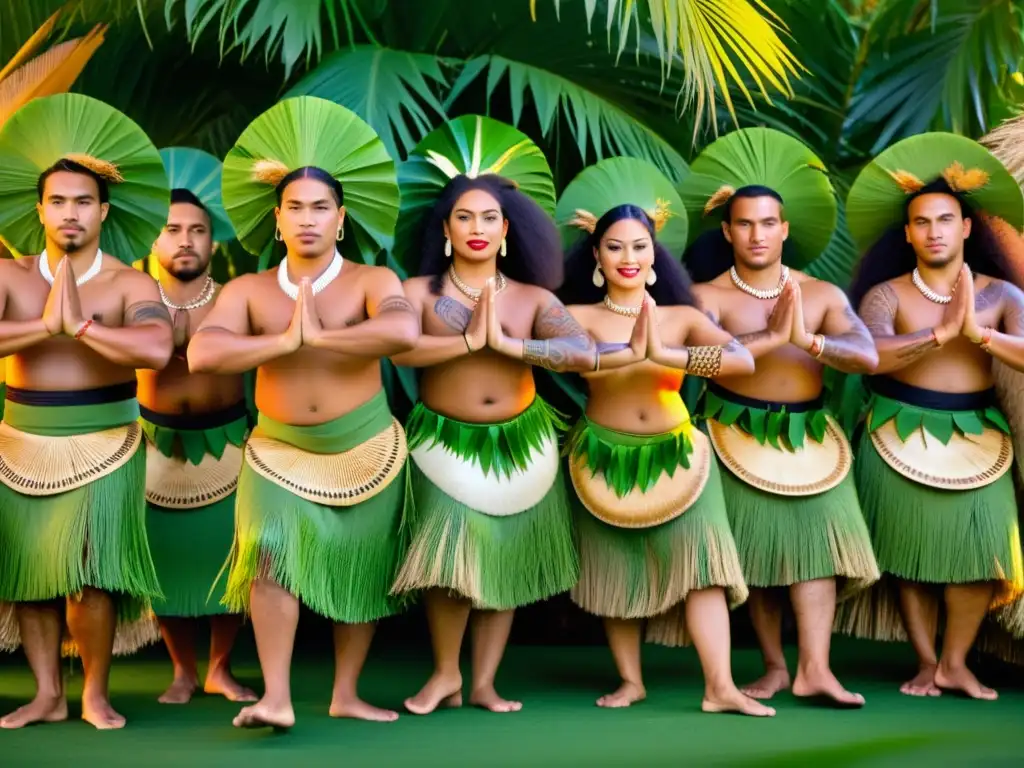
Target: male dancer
932, 466
196, 425
321, 493
76, 323
791, 502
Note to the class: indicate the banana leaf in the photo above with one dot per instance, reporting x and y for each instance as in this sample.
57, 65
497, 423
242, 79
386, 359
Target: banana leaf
876, 201
50, 128
769, 158
621, 180
472, 145
200, 173
305, 131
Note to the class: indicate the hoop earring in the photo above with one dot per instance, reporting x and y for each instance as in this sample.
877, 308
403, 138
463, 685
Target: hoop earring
341, 234
504, 248
651, 277
277, 234
598, 277
447, 247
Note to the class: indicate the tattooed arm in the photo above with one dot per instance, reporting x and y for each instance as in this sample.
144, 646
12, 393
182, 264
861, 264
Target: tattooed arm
878, 310
145, 338
435, 350
702, 331
848, 347
392, 328
1007, 345
560, 343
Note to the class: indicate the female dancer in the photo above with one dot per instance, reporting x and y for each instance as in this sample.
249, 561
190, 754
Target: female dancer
653, 535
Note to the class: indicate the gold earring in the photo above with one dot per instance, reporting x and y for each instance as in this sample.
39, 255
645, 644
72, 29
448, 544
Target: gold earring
651, 277
504, 247
598, 277
341, 233
277, 234
447, 247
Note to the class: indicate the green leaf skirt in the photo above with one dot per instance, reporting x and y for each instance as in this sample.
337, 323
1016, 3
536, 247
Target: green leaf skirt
497, 562
646, 573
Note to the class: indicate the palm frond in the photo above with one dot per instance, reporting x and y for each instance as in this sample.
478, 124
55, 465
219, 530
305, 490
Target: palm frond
389, 89
713, 40
598, 126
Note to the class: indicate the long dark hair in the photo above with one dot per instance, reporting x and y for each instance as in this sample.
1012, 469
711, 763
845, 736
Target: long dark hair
892, 256
672, 288
711, 254
534, 250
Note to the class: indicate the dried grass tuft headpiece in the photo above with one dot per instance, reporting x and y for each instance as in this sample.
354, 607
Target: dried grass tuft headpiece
661, 214
907, 181
964, 180
270, 172
584, 220
722, 196
102, 168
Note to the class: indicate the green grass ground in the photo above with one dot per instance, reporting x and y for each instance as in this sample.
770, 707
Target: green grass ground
559, 725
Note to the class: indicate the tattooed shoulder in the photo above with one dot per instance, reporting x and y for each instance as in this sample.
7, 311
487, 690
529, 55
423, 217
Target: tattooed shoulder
452, 313
556, 322
989, 296
395, 304
145, 311
878, 309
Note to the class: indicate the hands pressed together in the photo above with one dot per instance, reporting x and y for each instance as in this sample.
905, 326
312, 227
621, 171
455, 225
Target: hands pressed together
484, 329
62, 313
786, 322
305, 328
959, 317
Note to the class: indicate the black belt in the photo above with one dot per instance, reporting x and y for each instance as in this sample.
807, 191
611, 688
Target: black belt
766, 405
208, 420
931, 399
113, 394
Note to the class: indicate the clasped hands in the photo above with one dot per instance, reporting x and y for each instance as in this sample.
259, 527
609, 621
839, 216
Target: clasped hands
305, 328
786, 322
62, 312
959, 317
483, 328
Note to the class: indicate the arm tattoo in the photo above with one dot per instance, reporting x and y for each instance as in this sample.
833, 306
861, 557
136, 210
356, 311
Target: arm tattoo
879, 310
142, 311
733, 345
1013, 311
916, 345
213, 328
990, 296
454, 315
747, 338
562, 343
603, 347
395, 304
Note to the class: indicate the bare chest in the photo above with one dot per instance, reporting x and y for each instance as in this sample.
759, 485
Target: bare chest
98, 300
271, 313
446, 315
740, 313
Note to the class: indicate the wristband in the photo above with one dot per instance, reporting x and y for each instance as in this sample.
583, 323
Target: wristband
986, 338
83, 329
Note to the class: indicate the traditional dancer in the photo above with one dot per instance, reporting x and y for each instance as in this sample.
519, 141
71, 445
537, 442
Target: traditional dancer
932, 464
77, 322
196, 425
651, 524
320, 496
791, 498
491, 524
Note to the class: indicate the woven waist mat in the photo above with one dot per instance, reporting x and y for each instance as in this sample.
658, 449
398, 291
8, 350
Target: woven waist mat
174, 482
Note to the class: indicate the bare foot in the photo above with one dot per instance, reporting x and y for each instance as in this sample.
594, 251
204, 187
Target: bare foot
220, 682
263, 715
961, 679
358, 709
775, 679
439, 691
922, 684
628, 693
180, 691
488, 698
98, 712
734, 701
42, 709
815, 683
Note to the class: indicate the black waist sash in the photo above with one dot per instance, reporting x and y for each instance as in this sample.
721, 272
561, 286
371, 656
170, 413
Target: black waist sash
766, 405
889, 387
193, 421
111, 394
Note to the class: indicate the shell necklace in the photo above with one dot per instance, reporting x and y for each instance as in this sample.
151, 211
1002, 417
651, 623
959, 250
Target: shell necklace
619, 309
292, 290
473, 294
199, 301
89, 274
927, 292
757, 293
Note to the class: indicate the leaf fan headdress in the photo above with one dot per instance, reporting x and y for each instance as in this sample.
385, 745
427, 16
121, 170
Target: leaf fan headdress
619, 181
473, 146
200, 173
769, 158
70, 126
879, 195
308, 131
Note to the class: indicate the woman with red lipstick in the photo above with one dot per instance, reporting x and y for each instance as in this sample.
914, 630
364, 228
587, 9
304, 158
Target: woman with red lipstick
652, 530
492, 527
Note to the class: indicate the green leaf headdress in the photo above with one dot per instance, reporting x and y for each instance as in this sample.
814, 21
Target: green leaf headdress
877, 198
618, 181
769, 158
307, 131
200, 173
70, 126
473, 146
